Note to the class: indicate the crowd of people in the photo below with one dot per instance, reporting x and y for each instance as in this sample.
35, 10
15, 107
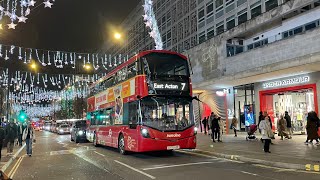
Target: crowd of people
12, 134
213, 125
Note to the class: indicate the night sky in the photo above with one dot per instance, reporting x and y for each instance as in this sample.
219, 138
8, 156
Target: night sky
70, 25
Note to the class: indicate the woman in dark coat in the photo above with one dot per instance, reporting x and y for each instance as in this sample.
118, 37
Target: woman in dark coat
312, 127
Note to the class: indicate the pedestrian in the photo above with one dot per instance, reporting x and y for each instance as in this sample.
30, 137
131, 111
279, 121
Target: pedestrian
205, 122
261, 118
2, 137
289, 124
312, 127
282, 125
20, 131
234, 125
221, 128
210, 119
215, 127
11, 135
29, 136
267, 133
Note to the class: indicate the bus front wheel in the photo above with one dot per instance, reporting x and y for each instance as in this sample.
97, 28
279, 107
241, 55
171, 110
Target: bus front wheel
121, 145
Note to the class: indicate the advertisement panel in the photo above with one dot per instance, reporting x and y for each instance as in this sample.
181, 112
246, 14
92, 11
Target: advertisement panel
248, 113
91, 104
101, 99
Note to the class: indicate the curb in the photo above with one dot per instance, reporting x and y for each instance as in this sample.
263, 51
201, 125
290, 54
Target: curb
306, 167
12, 158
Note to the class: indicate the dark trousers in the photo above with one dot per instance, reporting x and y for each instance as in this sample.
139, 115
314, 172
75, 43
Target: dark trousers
205, 128
216, 134
267, 143
20, 139
0, 150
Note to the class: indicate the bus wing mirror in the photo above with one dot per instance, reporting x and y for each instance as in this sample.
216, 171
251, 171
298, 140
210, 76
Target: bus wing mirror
196, 98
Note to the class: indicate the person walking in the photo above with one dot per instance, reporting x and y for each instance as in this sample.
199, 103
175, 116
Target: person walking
11, 135
29, 137
282, 125
2, 137
289, 124
234, 125
267, 133
221, 128
205, 124
312, 127
20, 131
210, 119
215, 127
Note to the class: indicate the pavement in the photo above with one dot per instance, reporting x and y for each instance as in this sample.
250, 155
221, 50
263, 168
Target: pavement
291, 154
56, 157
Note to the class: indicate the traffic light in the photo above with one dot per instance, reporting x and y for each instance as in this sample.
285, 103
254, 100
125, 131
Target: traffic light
22, 116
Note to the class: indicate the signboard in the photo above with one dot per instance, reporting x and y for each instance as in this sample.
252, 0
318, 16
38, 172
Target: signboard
91, 104
248, 113
169, 86
101, 99
286, 82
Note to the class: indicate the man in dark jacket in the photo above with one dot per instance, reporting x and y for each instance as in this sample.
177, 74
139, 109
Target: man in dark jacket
205, 123
289, 126
11, 135
2, 136
215, 127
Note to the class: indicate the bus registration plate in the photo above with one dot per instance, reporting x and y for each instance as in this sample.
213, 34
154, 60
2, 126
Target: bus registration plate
173, 147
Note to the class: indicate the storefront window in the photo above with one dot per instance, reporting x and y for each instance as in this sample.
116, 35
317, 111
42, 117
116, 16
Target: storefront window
243, 102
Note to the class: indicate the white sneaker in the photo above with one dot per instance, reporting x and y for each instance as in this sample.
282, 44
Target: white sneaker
306, 143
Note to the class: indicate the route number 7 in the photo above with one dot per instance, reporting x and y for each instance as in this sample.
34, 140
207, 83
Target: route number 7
183, 86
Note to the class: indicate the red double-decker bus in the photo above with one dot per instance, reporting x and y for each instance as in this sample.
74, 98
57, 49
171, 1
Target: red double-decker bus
145, 104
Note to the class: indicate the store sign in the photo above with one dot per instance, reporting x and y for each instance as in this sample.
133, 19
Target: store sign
170, 86
286, 82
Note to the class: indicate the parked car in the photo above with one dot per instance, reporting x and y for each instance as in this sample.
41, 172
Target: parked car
63, 129
78, 131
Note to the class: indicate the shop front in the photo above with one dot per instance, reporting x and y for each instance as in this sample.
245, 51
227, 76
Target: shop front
297, 95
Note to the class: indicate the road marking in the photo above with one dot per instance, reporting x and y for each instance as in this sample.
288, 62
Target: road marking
208, 156
137, 170
285, 170
99, 153
177, 165
244, 172
15, 167
52, 153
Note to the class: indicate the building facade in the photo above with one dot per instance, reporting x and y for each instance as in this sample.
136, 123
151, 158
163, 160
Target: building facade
268, 63
247, 56
184, 24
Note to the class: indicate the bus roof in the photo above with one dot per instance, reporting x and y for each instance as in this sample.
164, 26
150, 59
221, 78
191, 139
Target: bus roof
133, 59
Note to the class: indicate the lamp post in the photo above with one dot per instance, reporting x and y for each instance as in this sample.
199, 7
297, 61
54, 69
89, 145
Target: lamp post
118, 36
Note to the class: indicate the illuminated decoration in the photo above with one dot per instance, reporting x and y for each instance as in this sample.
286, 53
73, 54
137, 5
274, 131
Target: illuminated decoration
286, 82
18, 10
220, 93
151, 22
61, 59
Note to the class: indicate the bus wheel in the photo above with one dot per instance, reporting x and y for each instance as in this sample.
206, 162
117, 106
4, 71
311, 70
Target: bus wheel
76, 140
95, 141
121, 145
71, 138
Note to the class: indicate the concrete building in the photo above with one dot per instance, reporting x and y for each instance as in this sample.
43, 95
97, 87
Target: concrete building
268, 63
247, 56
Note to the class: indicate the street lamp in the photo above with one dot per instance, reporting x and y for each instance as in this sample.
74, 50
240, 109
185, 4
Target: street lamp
117, 36
87, 67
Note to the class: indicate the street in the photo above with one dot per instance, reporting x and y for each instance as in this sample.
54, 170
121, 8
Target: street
56, 157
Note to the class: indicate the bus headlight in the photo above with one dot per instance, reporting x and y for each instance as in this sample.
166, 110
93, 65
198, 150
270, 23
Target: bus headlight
80, 133
61, 130
195, 130
145, 133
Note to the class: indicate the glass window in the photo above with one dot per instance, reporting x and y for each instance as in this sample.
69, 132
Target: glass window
250, 46
210, 33
255, 11
231, 24
242, 18
285, 34
167, 114
230, 50
298, 30
220, 29
210, 9
311, 26
271, 4
201, 14
159, 64
219, 3
202, 38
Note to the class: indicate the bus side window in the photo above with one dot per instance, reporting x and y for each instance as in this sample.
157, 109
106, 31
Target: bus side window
133, 113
